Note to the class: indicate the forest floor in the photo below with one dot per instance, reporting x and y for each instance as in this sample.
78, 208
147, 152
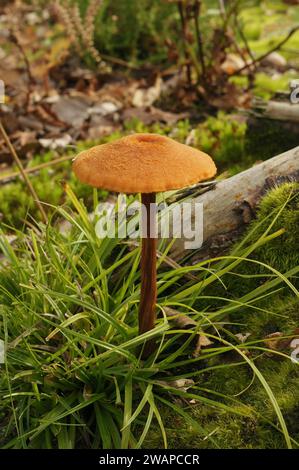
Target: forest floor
242, 390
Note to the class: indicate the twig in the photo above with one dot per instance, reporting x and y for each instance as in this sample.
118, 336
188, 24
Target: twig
244, 39
41, 166
117, 61
239, 30
16, 40
185, 40
263, 56
20, 166
31, 80
196, 11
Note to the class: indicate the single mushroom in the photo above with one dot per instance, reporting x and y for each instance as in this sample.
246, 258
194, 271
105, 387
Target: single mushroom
146, 164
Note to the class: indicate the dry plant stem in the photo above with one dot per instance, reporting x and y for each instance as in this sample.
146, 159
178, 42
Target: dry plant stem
31, 80
36, 168
185, 40
147, 308
117, 61
17, 42
23, 173
197, 9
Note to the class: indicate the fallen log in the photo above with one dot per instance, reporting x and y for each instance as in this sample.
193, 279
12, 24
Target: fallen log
277, 110
230, 204
282, 111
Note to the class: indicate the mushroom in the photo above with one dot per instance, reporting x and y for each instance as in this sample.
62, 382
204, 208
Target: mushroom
146, 164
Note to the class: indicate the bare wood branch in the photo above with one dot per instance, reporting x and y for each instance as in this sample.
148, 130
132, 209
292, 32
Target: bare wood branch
227, 203
277, 110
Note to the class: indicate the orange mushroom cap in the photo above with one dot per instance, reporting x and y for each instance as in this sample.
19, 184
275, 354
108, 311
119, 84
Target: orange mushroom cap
143, 163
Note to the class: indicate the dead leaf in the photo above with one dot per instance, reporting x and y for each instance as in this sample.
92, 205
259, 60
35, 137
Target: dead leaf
275, 60
105, 108
150, 115
56, 142
180, 384
202, 342
242, 337
147, 96
184, 322
232, 63
277, 343
72, 111
272, 341
99, 131
26, 137
180, 319
30, 122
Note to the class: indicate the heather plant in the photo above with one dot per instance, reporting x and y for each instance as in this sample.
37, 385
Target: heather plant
80, 29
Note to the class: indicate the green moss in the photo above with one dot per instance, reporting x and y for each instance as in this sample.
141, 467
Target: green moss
245, 395
17, 204
280, 208
252, 31
237, 384
283, 203
265, 85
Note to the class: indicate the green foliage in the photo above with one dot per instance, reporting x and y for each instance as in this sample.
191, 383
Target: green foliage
16, 203
281, 207
278, 213
281, 254
265, 86
233, 431
221, 136
135, 30
73, 376
224, 138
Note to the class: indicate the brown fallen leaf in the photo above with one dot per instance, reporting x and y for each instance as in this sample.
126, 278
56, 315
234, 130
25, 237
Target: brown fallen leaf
202, 342
278, 341
232, 63
31, 123
147, 96
180, 319
150, 115
242, 337
72, 111
180, 384
275, 60
26, 137
272, 341
56, 142
96, 132
105, 108
185, 322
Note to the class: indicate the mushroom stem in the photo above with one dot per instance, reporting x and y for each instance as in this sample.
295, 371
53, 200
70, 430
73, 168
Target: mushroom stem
147, 308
